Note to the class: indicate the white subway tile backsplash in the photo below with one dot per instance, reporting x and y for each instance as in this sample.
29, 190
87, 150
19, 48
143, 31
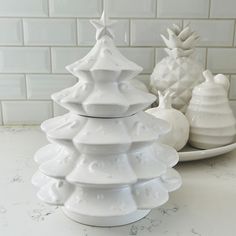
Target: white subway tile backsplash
11, 32
40, 37
24, 60
26, 112
50, 31
87, 32
144, 57
43, 86
12, 87
223, 9
213, 32
75, 8
147, 32
222, 60
132, 8
62, 57
232, 91
58, 110
160, 54
23, 8
182, 8
199, 55
144, 78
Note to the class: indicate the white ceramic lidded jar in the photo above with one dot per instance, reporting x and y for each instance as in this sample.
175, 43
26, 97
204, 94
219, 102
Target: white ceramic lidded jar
212, 123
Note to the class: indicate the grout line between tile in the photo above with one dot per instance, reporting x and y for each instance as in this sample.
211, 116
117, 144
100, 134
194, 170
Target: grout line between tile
26, 87
50, 58
48, 5
115, 17
130, 32
209, 9
155, 54
77, 32
1, 112
229, 77
154, 60
26, 100
68, 74
234, 33
52, 106
206, 62
103, 4
156, 6
118, 46
23, 31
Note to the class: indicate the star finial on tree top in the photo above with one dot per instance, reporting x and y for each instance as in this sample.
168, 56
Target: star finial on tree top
103, 26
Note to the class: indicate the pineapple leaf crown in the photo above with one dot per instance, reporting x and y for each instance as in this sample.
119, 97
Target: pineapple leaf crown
181, 42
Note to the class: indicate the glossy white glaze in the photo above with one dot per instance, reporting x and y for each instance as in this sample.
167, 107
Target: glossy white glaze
179, 133
212, 123
104, 162
178, 73
189, 153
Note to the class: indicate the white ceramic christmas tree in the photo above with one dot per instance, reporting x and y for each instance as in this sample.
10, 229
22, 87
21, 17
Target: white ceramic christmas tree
104, 166
178, 73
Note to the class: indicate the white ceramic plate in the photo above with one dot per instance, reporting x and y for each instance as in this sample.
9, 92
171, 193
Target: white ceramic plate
189, 153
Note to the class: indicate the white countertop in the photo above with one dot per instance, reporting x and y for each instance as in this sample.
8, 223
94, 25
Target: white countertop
204, 206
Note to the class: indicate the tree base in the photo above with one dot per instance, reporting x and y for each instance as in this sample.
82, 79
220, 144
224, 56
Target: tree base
106, 221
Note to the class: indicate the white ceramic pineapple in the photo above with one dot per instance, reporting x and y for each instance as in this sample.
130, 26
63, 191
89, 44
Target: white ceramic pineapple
179, 134
178, 73
212, 123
